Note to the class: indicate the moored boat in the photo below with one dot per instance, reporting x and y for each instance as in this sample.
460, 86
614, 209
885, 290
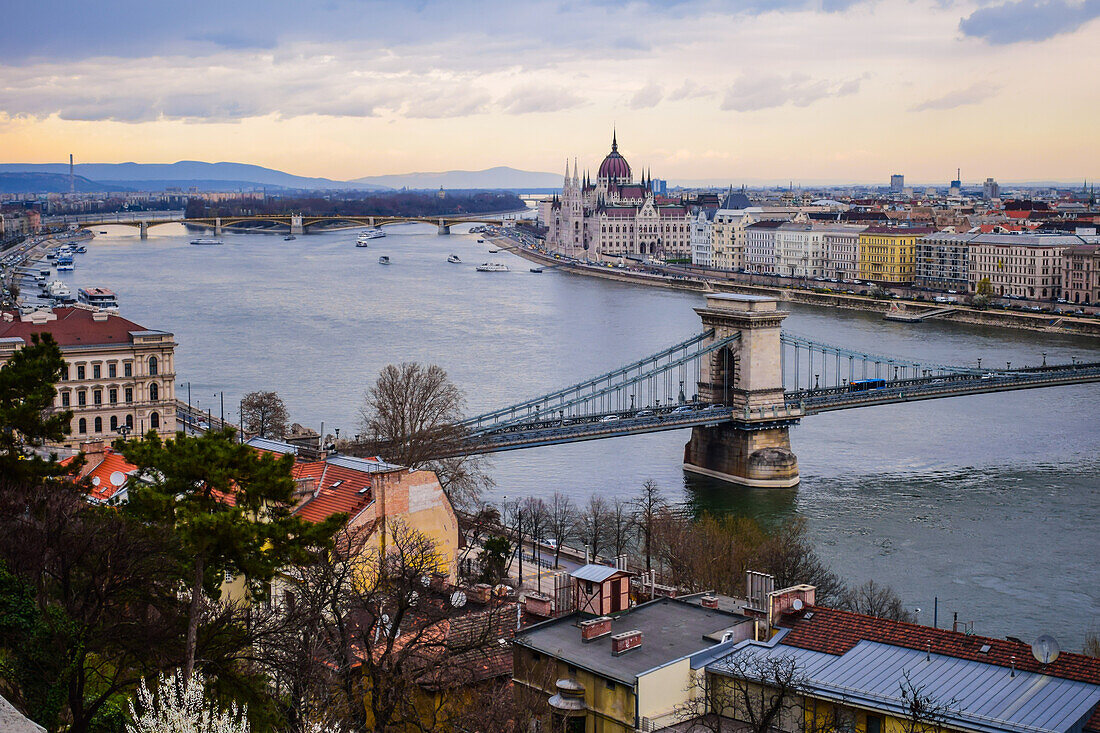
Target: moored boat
536, 269
206, 240
492, 267
98, 297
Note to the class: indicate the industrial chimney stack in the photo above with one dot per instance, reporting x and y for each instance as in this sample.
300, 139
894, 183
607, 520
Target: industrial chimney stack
72, 180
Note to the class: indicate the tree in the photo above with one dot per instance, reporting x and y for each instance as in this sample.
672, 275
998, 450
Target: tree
28, 419
872, 599
180, 707
410, 416
762, 691
264, 414
1092, 644
561, 522
921, 711
790, 557
493, 559
227, 506
621, 528
984, 287
593, 525
648, 506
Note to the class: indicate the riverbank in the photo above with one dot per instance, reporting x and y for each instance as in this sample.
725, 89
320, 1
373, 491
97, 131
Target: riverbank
1042, 322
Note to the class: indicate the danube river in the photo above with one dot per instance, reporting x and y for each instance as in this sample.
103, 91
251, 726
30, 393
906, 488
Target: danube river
991, 502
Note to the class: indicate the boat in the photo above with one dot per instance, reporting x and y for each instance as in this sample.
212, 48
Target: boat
81, 249
368, 234
205, 240
98, 297
481, 241
383, 260
58, 289
454, 259
536, 269
492, 267
361, 243
65, 262
493, 251
289, 238
51, 256
102, 232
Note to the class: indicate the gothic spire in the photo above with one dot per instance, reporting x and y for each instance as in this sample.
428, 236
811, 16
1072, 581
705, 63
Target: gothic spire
614, 141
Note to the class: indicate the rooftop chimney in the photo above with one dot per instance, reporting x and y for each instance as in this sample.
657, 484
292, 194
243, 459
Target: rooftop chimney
709, 601
624, 642
595, 628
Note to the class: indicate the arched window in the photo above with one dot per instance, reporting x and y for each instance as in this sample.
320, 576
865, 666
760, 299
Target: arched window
82, 426
154, 392
152, 365
154, 420
99, 425
130, 421
114, 423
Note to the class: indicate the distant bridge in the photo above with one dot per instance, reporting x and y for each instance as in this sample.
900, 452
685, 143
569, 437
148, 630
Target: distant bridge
294, 223
740, 385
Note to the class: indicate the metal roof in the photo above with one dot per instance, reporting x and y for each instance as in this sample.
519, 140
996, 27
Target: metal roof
595, 573
273, 446
978, 696
362, 464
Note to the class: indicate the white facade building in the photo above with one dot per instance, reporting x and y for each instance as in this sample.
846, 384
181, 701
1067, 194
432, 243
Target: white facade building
702, 229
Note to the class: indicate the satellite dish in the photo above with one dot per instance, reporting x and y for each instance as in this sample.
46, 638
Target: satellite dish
1045, 649
118, 478
458, 599
95, 480
413, 598
797, 604
425, 581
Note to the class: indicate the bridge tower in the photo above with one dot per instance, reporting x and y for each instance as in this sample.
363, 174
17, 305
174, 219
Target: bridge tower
754, 449
296, 224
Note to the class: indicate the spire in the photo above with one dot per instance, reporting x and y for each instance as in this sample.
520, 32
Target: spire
576, 170
614, 140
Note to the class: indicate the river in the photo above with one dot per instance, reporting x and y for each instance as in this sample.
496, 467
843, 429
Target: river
990, 503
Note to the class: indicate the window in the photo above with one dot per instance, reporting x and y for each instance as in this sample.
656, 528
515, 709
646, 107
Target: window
64, 399
112, 370
81, 397
80, 372
99, 425
114, 423
65, 373
112, 396
129, 394
874, 724
97, 396
154, 420
130, 421
154, 392
97, 371
82, 426
128, 369
153, 365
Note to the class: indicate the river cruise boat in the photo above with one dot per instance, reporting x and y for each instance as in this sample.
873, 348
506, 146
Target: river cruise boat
98, 297
206, 240
369, 234
453, 259
492, 267
65, 262
383, 260
58, 289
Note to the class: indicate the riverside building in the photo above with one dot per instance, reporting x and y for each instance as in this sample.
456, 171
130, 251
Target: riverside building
118, 376
1023, 265
886, 254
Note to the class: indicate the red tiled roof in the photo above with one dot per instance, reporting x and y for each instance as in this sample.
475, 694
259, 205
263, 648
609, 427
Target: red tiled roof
832, 631
336, 490
74, 327
98, 469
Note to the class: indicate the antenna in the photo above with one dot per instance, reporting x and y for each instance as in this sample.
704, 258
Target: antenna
1045, 649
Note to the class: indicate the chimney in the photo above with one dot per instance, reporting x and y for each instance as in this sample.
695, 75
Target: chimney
624, 642
481, 593
595, 628
709, 601
99, 316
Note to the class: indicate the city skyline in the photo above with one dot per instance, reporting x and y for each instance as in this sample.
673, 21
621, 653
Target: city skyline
845, 91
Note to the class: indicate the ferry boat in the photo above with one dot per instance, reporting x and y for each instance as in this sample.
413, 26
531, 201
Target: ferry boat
206, 240
368, 234
98, 297
383, 260
453, 259
492, 267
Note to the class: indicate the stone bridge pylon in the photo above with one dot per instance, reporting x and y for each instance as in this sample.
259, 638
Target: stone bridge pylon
754, 449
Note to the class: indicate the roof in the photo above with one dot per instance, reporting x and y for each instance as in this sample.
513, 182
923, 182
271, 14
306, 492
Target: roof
596, 573
671, 630
13, 721
899, 231
337, 490
76, 327
976, 696
107, 472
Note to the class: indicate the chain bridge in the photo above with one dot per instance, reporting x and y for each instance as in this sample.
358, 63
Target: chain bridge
295, 223
740, 384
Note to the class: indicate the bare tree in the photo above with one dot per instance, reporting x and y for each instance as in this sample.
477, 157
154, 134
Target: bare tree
1092, 644
621, 527
410, 416
789, 555
872, 599
536, 524
264, 414
765, 691
648, 506
593, 525
922, 712
561, 522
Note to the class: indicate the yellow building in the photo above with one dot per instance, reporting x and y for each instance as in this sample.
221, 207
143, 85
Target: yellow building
118, 376
887, 254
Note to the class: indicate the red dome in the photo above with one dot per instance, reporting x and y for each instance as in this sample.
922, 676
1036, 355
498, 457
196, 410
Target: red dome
614, 167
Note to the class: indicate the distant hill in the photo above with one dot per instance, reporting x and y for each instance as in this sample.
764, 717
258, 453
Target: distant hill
50, 183
181, 174
499, 177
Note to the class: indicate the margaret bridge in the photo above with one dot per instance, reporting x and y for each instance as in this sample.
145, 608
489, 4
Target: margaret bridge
740, 384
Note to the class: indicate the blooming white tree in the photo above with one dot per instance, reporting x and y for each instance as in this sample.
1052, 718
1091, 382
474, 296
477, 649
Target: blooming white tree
180, 706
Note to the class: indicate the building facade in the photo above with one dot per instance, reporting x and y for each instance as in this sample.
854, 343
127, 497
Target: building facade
1020, 265
760, 246
943, 262
119, 377
800, 250
702, 231
886, 254
1081, 274
842, 250
729, 237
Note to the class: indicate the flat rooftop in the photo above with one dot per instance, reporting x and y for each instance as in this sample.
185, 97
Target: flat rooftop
670, 629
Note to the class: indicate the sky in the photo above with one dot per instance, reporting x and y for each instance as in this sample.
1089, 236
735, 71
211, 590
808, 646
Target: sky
737, 90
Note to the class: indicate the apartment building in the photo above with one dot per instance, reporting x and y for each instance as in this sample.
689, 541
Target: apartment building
702, 230
886, 254
729, 236
119, 377
842, 250
760, 246
1081, 274
1020, 265
943, 262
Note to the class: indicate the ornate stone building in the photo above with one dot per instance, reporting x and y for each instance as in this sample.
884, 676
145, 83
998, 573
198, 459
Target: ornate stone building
613, 217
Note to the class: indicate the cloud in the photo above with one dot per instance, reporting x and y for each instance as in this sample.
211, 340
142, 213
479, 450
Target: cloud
764, 91
689, 90
1028, 20
538, 98
648, 96
971, 95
